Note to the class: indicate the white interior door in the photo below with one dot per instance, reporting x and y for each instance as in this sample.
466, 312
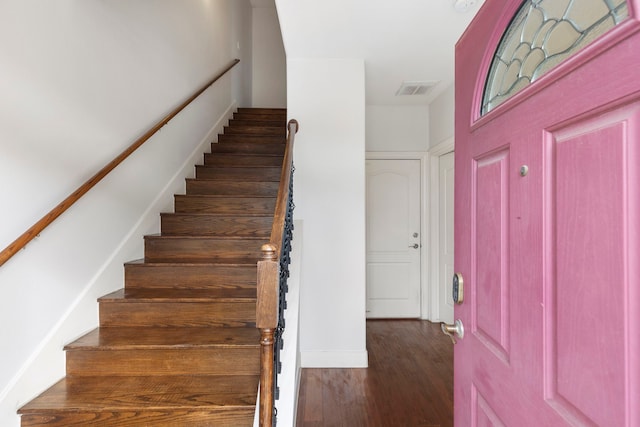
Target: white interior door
445, 237
393, 238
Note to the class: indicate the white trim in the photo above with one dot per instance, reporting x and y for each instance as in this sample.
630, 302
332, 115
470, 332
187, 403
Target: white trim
423, 156
334, 359
434, 154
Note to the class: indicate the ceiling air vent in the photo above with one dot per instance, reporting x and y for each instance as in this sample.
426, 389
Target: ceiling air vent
415, 88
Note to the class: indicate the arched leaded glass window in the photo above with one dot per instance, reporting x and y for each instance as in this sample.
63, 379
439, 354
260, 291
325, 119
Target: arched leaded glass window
542, 35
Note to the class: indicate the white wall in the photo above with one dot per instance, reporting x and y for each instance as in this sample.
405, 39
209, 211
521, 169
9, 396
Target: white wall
80, 81
441, 142
441, 117
327, 97
242, 48
397, 127
270, 84
289, 379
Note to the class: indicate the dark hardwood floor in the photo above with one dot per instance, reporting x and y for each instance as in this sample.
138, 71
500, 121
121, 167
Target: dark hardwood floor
409, 382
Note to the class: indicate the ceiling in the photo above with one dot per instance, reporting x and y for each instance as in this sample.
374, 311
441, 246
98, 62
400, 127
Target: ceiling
399, 40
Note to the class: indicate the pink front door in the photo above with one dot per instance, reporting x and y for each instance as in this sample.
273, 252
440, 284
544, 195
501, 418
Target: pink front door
547, 232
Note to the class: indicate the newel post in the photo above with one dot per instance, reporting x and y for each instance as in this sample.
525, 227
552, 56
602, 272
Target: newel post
267, 321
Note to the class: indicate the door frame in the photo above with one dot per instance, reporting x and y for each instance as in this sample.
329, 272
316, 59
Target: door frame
435, 288
423, 157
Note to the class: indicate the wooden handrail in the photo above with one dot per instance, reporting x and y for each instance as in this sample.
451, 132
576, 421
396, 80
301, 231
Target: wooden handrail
280, 214
37, 228
268, 284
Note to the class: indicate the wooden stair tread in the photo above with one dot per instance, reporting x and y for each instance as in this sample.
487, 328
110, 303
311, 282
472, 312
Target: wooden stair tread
240, 166
241, 154
238, 173
255, 130
180, 295
191, 203
205, 261
243, 183
219, 215
273, 141
262, 122
220, 200
274, 144
186, 248
260, 116
147, 393
212, 239
222, 197
240, 160
263, 110
214, 186
106, 338
239, 262
202, 275
216, 224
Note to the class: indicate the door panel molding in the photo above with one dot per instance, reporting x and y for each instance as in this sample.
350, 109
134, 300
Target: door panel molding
490, 303
585, 211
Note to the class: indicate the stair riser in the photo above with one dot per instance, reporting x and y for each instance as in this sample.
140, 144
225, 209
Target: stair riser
182, 361
230, 188
282, 118
224, 205
248, 146
215, 226
179, 314
233, 174
223, 417
265, 122
255, 130
190, 276
253, 139
168, 249
219, 159
282, 112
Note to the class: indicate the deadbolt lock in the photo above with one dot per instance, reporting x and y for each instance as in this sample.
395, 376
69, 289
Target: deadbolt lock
457, 289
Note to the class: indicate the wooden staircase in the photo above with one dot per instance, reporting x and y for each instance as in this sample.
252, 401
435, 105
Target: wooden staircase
178, 345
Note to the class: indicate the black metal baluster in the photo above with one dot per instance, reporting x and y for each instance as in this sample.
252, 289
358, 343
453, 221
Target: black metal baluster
285, 260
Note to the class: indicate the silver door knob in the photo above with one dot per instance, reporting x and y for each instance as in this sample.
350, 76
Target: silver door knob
415, 246
457, 329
